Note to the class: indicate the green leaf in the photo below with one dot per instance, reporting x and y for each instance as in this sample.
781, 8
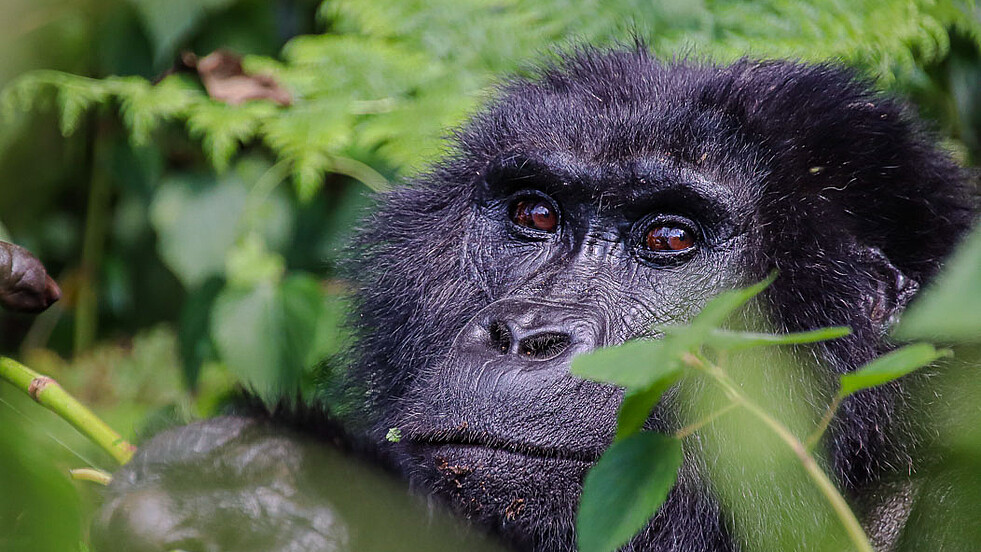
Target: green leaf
223, 129
723, 305
268, 335
303, 308
634, 365
197, 226
625, 489
889, 367
195, 341
637, 405
736, 341
250, 263
950, 309
247, 328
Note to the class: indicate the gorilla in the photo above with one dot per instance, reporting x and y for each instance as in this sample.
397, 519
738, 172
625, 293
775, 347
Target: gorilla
604, 194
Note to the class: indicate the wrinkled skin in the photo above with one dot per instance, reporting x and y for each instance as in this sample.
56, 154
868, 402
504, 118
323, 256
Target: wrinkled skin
537, 239
24, 283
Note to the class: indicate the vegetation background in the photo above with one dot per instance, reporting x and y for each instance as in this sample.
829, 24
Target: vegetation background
196, 238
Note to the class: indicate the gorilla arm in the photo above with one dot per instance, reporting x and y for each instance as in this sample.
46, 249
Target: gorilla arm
242, 484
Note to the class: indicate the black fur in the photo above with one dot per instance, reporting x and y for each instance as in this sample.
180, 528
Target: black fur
856, 207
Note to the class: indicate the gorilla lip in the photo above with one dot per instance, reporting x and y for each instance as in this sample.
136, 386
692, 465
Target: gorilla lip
465, 438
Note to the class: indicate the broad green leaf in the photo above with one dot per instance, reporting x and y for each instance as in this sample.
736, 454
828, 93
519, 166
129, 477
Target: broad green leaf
303, 308
268, 335
723, 305
624, 490
247, 329
200, 223
197, 224
950, 309
250, 263
637, 406
196, 345
736, 341
891, 366
634, 365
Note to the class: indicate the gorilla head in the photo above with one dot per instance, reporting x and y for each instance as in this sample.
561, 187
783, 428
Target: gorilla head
610, 193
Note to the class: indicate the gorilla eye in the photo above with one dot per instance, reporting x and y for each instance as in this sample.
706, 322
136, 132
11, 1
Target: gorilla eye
669, 238
535, 213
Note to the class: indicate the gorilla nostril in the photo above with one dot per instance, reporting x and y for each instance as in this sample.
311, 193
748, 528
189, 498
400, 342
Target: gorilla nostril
500, 336
544, 346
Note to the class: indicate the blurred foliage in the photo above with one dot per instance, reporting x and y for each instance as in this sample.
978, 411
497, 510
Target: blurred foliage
40, 509
748, 416
188, 261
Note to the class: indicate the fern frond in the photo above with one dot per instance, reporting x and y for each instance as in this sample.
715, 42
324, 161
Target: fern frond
391, 75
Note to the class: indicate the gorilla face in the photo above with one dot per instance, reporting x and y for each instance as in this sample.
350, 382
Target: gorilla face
611, 194
573, 255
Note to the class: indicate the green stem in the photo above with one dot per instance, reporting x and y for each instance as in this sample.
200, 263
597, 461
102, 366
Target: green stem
93, 245
690, 429
266, 184
91, 474
848, 520
361, 172
52, 396
813, 438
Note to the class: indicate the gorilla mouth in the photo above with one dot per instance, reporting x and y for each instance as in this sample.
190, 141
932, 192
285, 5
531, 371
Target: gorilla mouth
463, 439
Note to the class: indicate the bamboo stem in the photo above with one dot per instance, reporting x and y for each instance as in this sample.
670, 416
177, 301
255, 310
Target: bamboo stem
46, 392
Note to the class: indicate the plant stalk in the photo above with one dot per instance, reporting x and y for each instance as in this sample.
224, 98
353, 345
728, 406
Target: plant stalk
46, 392
92, 475
848, 520
813, 438
93, 246
692, 428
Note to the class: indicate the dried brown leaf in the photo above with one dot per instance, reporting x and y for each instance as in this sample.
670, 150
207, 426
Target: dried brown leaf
225, 80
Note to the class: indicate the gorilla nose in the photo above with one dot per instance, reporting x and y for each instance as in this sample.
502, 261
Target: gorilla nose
534, 345
530, 330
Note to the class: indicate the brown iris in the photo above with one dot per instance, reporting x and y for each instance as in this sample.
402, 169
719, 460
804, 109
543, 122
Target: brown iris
669, 238
535, 213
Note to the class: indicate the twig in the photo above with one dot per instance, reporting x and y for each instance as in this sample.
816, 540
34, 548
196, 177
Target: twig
813, 438
848, 520
49, 394
690, 429
91, 474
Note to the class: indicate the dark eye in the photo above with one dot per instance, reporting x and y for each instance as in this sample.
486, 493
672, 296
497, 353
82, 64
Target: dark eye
535, 213
669, 238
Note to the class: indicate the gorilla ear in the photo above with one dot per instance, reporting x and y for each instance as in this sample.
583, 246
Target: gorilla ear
890, 292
